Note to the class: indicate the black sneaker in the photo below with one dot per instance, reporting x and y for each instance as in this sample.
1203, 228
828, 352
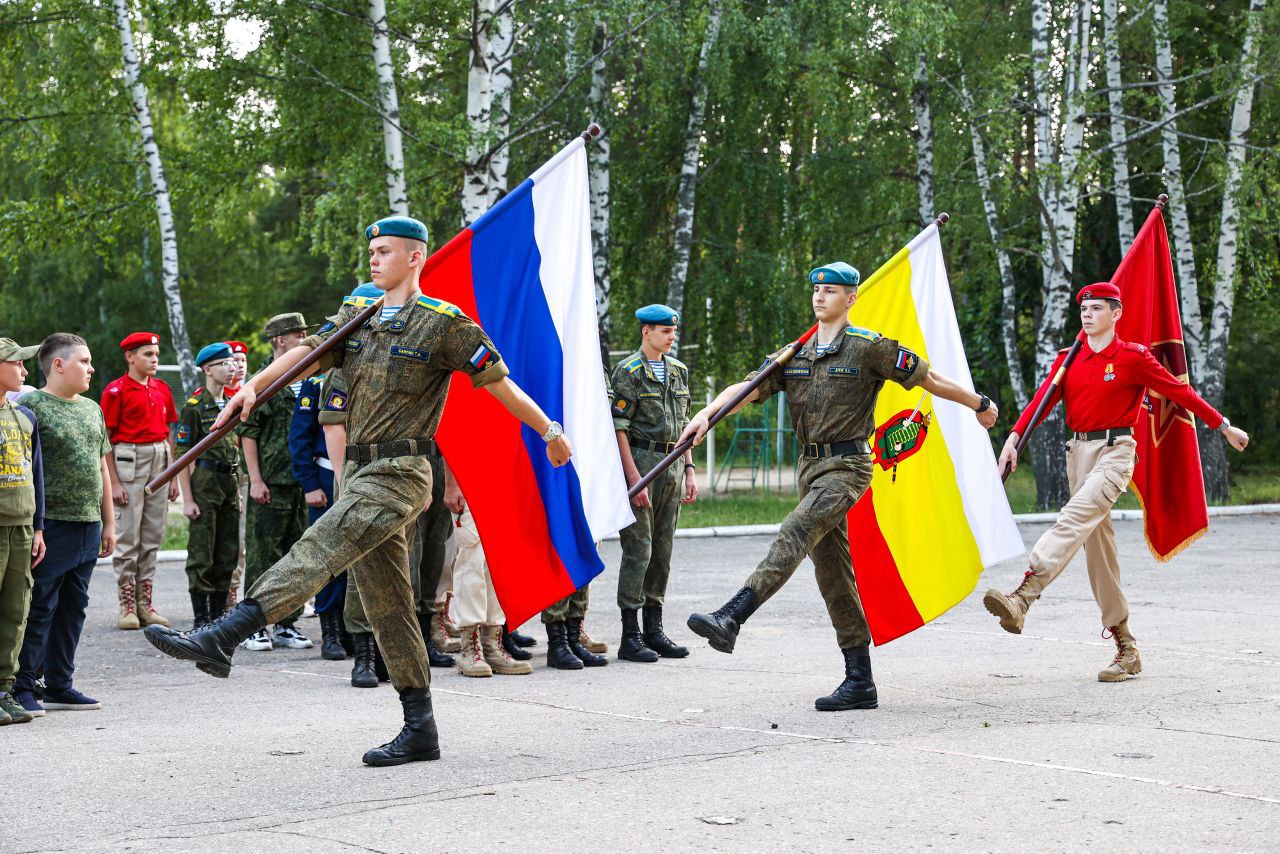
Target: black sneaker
68, 700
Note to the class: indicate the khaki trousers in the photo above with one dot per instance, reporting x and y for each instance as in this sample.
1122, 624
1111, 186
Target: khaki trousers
1097, 475
140, 523
475, 602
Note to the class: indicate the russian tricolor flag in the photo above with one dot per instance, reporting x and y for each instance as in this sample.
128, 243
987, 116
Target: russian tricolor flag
523, 272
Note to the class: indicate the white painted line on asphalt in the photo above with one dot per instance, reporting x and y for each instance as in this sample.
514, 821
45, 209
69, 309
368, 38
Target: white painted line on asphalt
1188, 651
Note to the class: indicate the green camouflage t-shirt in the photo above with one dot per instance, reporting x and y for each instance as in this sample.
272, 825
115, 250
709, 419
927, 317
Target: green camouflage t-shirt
73, 441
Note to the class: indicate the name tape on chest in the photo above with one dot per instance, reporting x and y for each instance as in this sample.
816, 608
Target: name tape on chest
843, 371
415, 353
798, 372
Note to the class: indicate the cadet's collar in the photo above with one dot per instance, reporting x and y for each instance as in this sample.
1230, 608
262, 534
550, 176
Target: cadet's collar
810, 348
1107, 351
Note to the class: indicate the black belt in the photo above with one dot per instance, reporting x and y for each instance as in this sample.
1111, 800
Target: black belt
362, 455
215, 465
646, 445
1110, 435
814, 450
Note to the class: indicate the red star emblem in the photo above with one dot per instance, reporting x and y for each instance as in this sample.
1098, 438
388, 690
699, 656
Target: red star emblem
1165, 414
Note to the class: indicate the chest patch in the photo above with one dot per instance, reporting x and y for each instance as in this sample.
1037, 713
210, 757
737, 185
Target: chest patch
415, 353
798, 372
843, 371
352, 344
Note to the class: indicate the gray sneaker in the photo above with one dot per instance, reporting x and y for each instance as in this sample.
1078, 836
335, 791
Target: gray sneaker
289, 636
259, 641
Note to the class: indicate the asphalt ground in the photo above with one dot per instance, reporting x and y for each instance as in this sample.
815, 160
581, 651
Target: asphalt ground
983, 741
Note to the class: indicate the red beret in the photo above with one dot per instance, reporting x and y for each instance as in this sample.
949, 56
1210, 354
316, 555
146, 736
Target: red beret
139, 339
237, 346
1098, 290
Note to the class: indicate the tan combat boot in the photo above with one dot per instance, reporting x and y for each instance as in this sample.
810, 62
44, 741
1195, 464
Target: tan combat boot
1012, 609
590, 644
498, 659
450, 627
471, 659
1127, 661
128, 607
440, 637
147, 615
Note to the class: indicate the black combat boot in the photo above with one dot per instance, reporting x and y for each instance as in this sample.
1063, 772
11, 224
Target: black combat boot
857, 691
521, 639
632, 647
656, 639
210, 646
331, 637
513, 649
199, 610
362, 672
348, 644
418, 740
573, 627
559, 655
217, 606
435, 657
721, 626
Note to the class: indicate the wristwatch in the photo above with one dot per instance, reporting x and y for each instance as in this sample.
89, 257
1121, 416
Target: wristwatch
554, 431
984, 403
1222, 428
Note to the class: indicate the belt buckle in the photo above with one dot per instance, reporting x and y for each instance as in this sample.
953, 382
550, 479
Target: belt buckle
669, 447
812, 450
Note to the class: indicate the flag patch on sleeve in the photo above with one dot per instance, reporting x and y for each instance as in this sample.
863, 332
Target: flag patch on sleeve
906, 360
481, 358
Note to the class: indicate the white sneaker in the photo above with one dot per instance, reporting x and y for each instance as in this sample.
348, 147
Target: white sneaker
291, 637
259, 641
309, 609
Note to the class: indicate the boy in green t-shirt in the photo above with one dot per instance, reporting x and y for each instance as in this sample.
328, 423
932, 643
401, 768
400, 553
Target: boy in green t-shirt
21, 521
79, 523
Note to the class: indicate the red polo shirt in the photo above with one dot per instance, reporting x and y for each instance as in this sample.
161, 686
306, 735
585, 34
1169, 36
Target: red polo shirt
1105, 389
138, 414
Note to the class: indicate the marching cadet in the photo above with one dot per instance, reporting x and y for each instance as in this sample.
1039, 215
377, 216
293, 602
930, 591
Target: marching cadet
138, 409
831, 386
276, 514
650, 406
209, 496
240, 353
397, 368
1102, 392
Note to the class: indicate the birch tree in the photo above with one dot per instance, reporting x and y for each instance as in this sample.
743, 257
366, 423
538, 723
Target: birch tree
923, 134
1119, 133
389, 106
598, 176
160, 189
501, 42
687, 194
475, 181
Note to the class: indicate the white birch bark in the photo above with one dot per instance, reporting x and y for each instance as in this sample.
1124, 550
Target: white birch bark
686, 195
1119, 133
160, 189
501, 44
1183, 249
1008, 302
389, 106
924, 140
598, 176
475, 181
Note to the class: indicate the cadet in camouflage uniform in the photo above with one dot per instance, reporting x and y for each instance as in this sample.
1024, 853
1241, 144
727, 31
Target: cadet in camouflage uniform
397, 367
649, 399
277, 512
831, 386
209, 490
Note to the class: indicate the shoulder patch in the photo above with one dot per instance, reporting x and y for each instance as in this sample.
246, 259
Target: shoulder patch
679, 364
859, 332
335, 402
193, 400
906, 360
633, 364
359, 302
439, 306
327, 326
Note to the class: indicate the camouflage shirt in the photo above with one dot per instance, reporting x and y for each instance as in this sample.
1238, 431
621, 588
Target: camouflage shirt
397, 370
73, 441
196, 421
832, 395
269, 424
646, 408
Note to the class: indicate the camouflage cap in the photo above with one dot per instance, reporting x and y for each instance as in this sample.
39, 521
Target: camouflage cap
11, 351
283, 324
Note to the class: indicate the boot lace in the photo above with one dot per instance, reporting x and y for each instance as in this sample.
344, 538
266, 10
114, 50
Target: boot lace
1027, 576
1115, 635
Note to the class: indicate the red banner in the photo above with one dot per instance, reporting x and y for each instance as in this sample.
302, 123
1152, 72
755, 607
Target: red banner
1168, 480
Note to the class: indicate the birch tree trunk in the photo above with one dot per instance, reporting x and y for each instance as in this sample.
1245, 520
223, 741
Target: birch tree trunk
686, 195
1119, 133
923, 134
1009, 301
475, 180
1183, 249
160, 188
598, 175
389, 106
501, 43
1213, 382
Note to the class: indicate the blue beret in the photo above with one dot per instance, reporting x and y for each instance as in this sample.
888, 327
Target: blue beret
835, 273
213, 352
368, 289
663, 315
397, 226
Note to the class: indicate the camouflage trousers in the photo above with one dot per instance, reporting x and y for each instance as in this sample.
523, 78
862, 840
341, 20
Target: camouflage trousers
213, 537
15, 597
271, 530
428, 540
571, 607
829, 487
364, 532
646, 543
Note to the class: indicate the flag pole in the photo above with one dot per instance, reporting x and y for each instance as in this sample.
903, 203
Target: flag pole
1161, 201
738, 399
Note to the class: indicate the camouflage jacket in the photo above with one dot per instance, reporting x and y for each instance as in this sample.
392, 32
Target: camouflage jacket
196, 421
646, 408
268, 424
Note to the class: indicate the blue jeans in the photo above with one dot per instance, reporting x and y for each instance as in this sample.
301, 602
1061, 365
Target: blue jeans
58, 601
332, 595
